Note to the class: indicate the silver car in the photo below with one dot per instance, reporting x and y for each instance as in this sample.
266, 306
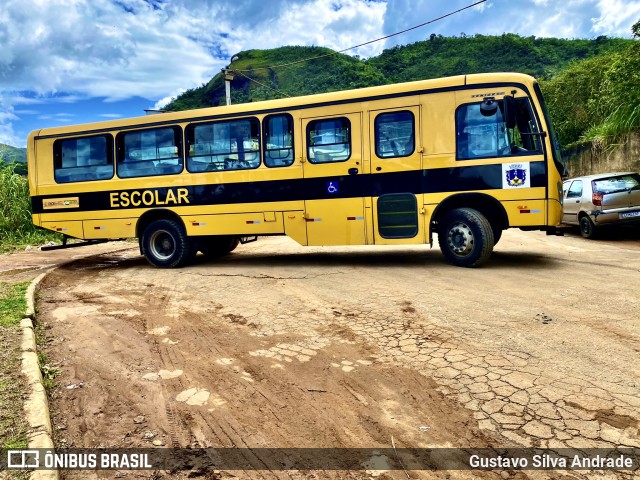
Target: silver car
604, 199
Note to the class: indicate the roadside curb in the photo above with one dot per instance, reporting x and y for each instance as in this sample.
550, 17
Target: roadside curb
36, 406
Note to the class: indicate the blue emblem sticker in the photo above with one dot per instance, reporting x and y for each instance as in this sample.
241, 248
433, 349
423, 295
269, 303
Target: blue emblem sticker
332, 188
516, 175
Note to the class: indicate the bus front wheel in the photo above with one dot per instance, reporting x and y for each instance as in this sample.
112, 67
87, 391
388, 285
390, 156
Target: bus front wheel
465, 237
165, 244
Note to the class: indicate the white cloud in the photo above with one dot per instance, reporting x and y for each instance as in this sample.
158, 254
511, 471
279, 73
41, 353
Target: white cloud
616, 17
160, 104
543, 18
7, 117
67, 50
58, 117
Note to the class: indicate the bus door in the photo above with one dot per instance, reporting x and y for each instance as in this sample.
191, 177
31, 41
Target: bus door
333, 180
396, 175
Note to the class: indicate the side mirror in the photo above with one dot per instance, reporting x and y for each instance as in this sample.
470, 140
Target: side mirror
509, 111
488, 107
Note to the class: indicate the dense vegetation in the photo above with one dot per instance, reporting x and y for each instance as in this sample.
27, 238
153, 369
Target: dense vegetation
16, 227
598, 99
328, 73
444, 56
592, 86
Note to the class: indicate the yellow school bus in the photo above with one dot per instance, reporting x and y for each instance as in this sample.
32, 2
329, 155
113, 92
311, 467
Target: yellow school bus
463, 157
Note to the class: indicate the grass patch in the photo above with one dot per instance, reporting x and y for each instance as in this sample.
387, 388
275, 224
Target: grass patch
13, 303
623, 120
48, 372
13, 428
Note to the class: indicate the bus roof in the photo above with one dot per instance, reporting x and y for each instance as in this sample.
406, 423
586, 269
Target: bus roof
266, 106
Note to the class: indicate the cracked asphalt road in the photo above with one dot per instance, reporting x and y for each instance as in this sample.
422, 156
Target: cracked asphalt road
278, 345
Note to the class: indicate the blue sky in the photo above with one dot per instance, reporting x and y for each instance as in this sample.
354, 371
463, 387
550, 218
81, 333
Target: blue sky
78, 61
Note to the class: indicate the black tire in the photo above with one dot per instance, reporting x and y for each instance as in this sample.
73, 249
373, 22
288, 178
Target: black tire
587, 228
165, 244
215, 247
497, 235
465, 237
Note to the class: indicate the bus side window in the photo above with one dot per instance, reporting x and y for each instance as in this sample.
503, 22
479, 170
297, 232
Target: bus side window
394, 134
278, 140
224, 145
149, 152
482, 136
329, 140
83, 159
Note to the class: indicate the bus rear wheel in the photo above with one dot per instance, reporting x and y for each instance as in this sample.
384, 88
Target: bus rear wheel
214, 247
165, 244
465, 237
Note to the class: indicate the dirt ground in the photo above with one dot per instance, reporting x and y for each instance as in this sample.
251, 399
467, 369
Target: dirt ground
283, 346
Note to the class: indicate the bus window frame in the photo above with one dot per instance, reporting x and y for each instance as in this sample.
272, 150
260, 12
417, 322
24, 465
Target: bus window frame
265, 126
57, 154
375, 134
178, 139
532, 116
190, 129
308, 140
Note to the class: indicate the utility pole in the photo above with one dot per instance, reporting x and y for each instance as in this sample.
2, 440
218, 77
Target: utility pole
228, 76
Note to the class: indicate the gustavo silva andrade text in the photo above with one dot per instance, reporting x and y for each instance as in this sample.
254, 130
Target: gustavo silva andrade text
552, 462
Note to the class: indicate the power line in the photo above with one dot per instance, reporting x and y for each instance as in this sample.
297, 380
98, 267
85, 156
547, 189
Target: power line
239, 72
366, 43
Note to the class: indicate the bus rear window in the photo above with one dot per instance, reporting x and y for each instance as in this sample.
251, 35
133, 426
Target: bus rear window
83, 159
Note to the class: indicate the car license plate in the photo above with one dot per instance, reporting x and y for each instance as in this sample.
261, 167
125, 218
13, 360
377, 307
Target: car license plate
630, 214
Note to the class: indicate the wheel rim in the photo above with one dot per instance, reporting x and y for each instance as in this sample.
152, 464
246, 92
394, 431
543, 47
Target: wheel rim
586, 226
460, 239
162, 244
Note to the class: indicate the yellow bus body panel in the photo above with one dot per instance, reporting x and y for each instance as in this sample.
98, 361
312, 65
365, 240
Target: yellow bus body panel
70, 228
110, 228
234, 224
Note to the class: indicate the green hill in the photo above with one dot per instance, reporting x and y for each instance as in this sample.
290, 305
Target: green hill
437, 57
16, 158
445, 56
580, 65
329, 73
9, 154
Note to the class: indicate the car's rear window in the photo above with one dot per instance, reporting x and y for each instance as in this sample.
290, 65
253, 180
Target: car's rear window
617, 183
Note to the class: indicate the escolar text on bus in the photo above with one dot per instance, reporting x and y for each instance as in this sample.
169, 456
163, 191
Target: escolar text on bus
139, 198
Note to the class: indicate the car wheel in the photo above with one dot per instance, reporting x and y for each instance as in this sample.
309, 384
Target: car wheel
165, 244
465, 237
587, 228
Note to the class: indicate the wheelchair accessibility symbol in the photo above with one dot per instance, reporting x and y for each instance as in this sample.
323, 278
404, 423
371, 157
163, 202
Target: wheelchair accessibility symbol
332, 187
